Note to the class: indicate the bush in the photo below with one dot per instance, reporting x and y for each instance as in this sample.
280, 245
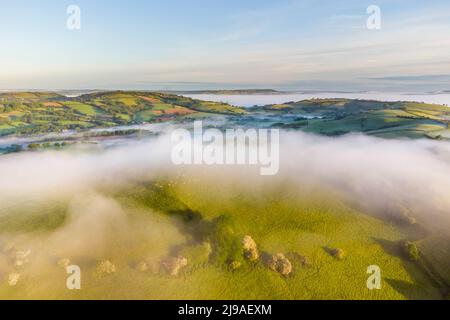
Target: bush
173, 265
234, 265
279, 263
411, 250
338, 253
250, 248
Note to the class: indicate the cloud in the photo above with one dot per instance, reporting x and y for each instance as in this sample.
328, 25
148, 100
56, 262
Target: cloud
374, 172
431, 77
377, 177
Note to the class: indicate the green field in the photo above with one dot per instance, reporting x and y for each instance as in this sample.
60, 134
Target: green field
26, 113
194, 223
204, 221
34, 113
334, 117
84, 109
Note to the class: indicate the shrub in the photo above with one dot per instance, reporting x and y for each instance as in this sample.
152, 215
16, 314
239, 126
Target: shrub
279, 263
250, 248
173, 265
106, 267
338, 253
411, 250
234, 265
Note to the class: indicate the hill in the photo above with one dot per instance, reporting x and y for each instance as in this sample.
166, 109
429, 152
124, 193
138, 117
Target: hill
383, 119
205, 222
229, 92
34, 113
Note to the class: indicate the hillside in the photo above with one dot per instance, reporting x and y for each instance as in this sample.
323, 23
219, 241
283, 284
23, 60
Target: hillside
128, 218
228, 92
384, 119
34, 113
205, 222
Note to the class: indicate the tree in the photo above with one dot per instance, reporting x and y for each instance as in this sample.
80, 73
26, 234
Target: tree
411, 250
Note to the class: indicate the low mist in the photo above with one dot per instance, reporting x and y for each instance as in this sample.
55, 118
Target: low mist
376, 175
373, 172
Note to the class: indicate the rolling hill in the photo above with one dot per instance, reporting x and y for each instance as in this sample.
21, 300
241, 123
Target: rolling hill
383, 119
35, 113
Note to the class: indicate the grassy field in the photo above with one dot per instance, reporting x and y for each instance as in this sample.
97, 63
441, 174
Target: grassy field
84, 109
388, 120
138, 226
35, 113
202, 221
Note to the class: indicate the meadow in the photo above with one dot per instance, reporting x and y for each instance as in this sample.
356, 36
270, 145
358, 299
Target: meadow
27, 113
123, 214
106, 199
181, 219
335, 117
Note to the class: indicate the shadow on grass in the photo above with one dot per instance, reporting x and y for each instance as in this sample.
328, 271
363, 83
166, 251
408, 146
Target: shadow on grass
219, 232
407, 289
192, 224
410, 290
328, 250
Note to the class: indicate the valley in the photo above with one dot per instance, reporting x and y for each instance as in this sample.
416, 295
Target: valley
88, 181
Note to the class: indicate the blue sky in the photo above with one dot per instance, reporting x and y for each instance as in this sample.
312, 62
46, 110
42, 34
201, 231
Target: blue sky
175, 44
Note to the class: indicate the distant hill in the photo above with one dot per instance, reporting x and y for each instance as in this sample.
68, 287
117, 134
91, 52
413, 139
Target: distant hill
42, 112
383, 119
35, 112
229, 92
28, 96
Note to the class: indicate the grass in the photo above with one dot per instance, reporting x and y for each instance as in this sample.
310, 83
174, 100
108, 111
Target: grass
384, 119
46, 112
84, 109
5, 127
309, 224
169, 215
146, 116
37, 113
205, 220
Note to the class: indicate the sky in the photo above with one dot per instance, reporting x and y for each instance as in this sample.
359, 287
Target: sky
215, 44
